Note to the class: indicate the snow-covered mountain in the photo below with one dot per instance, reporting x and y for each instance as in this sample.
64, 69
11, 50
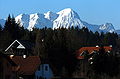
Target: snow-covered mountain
108, 27
65, 18
23, 19
33, 21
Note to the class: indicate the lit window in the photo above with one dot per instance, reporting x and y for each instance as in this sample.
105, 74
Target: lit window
24, 56
108, 51
11, 56
91, 62
91, 58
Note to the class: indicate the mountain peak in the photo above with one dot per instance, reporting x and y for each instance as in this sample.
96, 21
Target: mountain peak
108, 24
66, 11
107, 27
67, 18
49, 12
23, 18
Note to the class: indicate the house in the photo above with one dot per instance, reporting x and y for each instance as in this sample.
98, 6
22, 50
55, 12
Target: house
28, 66
8, 69
80, 53
44, 71
84, 55
19, 48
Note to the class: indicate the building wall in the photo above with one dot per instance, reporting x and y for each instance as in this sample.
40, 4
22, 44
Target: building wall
44, 71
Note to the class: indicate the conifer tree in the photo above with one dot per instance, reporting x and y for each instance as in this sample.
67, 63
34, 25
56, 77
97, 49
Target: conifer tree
40, 45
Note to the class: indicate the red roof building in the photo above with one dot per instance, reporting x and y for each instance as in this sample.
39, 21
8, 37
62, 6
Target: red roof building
90, 50
28, 65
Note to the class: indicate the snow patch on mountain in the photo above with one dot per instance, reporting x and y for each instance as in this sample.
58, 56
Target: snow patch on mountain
33, 21
51, 16
38, 21
67, 18
23, 19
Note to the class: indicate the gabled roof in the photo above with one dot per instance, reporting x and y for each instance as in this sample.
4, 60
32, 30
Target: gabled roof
90, 50
28, 65
27, 44
23, 44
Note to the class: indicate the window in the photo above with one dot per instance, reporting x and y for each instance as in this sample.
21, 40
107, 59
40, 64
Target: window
46, 68
39, 68
24, 56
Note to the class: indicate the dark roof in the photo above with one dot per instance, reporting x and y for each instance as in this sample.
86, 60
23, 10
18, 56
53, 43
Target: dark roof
90, 50
27, 44
28, 65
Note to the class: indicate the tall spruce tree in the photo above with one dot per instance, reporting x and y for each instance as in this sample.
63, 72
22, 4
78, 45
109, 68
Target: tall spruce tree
40, 45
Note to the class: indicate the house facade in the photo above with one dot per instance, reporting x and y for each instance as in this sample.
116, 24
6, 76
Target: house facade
44, 71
